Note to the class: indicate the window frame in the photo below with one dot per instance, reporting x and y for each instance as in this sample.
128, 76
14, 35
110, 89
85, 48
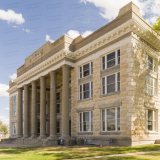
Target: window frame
154, 64
90, 121
90, 90
59, 127
14, 112
59, 108
154, 88
90, 70
105, 83
116, 119
58, 96
154, 119
14, 130
116, 59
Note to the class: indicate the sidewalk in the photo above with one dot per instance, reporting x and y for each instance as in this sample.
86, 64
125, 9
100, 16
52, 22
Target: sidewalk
117, 155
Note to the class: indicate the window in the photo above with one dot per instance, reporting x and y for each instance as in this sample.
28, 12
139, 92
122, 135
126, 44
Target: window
86, 70
58, 127
22, 108
38, 127
58, 96
151, 84
14, 128
151, 63
86, 90
111, 60
38, 95
86, 121
58, 108
110, 83
38, 108
110, 119
152, 120
14, 99
14, 111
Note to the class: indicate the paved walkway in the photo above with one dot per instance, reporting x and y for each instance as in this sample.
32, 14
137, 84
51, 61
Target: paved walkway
17, 145
117, 155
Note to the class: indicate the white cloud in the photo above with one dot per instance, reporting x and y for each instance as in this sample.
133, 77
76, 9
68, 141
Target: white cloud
109, 9
87, 33
13, 76
7, 108
75, 33
26, 30
14, 26
4, 120
11, 17
3, 88
49, 39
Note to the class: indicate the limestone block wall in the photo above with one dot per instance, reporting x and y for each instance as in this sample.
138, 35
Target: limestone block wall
123, 96
140, 98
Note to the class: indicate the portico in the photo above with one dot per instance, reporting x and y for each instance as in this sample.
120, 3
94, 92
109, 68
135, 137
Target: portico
45, 84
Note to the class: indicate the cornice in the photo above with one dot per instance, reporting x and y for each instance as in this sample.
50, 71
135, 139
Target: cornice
13, 89
131, 25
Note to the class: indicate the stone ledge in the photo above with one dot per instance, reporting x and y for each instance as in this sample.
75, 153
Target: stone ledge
85, 79
85, 109
85, 133
110, 133
84, 100
110, 94
115, 104
110, 70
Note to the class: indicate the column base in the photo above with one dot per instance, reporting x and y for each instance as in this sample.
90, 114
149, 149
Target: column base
52, 137
42, 137
33, 137
26, 136
19, 136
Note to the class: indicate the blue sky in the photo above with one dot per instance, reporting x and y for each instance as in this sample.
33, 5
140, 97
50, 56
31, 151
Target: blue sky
27, 25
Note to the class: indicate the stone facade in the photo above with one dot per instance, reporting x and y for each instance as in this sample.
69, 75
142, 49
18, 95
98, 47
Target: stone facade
55, 68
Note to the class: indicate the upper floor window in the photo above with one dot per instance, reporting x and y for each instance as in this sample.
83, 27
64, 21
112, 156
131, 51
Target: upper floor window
110, 119
86, 90
86, 121
111, 83
14, 111
58, 127
58, 96
38, 108
58, 107
86, 70
151, 85
14, 99
111, 59
151, 63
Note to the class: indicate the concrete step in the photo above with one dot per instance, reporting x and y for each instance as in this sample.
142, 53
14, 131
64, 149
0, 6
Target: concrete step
157, 141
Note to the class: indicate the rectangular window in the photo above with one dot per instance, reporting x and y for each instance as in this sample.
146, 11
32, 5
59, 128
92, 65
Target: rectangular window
58, 127
58, 108
14, 128
14, 100
110, 83
14, 111
58, 96
151, 85
86, 121
151, 63
86, 70
111, 60
86, 90
38, 108
38, 95
38, 127
152, 123
110, 119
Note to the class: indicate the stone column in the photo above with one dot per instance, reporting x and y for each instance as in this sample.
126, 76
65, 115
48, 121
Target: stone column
20, 121
34, 110
53, 106
65, 102
42, 107
26, 111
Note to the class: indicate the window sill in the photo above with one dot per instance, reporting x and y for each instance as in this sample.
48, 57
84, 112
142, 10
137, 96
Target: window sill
109, 94
151, 132
153, 96
85, 100
110, 133
85, 133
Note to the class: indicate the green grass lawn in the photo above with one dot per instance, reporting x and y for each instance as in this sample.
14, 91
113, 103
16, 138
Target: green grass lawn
51, 153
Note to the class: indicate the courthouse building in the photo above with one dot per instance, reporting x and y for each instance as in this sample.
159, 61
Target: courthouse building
103, 88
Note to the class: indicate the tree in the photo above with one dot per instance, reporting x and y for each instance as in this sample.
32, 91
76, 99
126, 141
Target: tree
3, 128
156, 26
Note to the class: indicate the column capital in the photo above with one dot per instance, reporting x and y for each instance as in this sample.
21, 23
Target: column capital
65, 66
